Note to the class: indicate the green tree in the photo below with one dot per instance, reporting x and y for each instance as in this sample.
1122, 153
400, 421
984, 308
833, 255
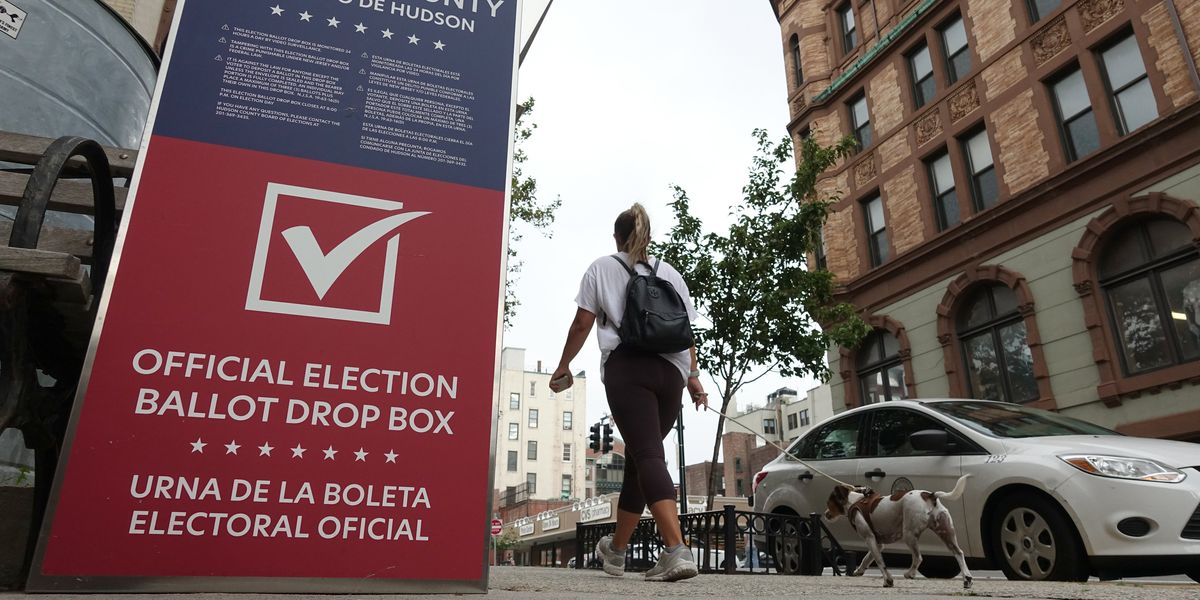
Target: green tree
525, 210
508, 539
762, 309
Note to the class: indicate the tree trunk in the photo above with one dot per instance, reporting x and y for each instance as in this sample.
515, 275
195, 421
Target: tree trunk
712, 466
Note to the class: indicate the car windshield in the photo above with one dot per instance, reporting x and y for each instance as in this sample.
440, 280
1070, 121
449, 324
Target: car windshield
1014, 421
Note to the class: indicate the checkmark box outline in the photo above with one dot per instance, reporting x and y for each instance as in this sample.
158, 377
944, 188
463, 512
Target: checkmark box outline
254, 299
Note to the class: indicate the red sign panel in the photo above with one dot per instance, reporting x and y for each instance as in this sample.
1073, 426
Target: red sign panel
497, 526
292, 384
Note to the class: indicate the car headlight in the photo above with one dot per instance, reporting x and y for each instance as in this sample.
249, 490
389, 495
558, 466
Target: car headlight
1122, 467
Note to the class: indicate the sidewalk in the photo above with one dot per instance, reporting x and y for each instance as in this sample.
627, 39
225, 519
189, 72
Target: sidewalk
541, 583
566, 584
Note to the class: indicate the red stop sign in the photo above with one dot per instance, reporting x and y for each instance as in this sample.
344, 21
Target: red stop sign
497, 526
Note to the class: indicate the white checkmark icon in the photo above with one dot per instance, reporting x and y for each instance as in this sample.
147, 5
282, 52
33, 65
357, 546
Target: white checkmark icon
324, 269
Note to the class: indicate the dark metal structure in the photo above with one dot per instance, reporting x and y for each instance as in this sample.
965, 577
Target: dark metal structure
723, 542
48, 297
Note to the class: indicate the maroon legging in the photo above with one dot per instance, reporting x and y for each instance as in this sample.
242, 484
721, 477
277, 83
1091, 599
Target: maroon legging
644, 393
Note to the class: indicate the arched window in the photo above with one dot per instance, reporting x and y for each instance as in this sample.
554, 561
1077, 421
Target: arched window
796, 64
1150, 274
995, 346
880, 369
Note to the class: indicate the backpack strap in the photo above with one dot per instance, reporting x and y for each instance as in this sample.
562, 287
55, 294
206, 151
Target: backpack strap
628, 269
653, 268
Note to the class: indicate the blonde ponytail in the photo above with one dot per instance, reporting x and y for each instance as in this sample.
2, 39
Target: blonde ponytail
633, 231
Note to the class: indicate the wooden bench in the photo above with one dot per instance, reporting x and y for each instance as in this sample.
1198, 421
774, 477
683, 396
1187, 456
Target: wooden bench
51, 280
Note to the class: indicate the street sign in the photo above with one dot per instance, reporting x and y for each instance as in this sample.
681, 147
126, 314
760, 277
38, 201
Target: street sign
291, 380
497, 526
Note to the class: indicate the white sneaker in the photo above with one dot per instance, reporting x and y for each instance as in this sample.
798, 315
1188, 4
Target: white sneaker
614, 562
674, 566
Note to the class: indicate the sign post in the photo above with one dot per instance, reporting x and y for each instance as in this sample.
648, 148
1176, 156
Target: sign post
291, 381
497, 528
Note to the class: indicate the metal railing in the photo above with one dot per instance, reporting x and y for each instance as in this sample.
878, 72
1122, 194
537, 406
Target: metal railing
730, 541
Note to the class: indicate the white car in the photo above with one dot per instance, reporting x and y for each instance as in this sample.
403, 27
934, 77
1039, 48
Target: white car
1050, 497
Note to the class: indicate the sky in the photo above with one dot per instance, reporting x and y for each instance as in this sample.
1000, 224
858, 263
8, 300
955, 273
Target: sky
633, 97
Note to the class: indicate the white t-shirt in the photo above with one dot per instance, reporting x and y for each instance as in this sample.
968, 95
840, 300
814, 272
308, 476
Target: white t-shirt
602, 293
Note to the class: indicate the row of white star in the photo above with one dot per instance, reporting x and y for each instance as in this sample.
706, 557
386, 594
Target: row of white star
358, 28
298, 452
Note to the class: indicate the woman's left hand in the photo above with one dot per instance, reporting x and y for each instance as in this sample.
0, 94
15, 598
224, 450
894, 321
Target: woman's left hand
696, 389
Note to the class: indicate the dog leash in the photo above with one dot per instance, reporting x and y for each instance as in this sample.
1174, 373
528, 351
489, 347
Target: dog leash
782, 450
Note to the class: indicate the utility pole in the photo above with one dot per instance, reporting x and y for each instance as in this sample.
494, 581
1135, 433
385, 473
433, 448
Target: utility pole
682, 462
529, 44
536, 28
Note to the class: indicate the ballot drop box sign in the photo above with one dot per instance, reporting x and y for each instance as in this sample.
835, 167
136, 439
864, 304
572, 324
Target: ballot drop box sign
291, 380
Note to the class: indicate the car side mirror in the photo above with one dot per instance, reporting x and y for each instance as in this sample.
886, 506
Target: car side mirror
931, 440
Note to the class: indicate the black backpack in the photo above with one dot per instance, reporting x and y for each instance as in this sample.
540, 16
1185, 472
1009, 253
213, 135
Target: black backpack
656, 318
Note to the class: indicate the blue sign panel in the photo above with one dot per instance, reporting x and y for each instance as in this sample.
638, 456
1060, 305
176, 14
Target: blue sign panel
409, 87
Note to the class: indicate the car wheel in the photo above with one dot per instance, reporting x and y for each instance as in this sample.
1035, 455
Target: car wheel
784, 542
937, 567
1033, 540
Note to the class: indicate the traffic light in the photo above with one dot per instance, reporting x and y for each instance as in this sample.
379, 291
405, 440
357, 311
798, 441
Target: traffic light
606, 445
594, 438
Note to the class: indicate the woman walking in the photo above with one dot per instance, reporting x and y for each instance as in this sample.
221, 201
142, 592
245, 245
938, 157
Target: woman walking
644, 391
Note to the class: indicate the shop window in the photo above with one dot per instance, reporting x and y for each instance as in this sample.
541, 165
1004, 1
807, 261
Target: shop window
879, 369
995, 347
1150, 274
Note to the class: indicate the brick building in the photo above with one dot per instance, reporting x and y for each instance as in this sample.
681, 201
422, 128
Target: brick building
1021, 221
697, 479
744, 456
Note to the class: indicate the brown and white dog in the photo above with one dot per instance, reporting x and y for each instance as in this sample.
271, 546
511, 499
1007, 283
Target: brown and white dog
904, 515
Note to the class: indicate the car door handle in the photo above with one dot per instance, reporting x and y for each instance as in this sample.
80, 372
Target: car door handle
875, 473
805, 476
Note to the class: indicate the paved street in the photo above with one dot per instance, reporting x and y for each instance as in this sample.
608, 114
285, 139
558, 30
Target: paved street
565, 584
